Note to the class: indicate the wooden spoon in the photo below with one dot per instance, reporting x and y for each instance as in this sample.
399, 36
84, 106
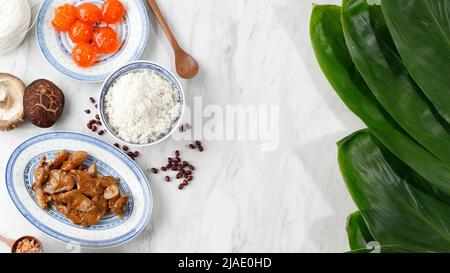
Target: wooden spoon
186, 65
13, 244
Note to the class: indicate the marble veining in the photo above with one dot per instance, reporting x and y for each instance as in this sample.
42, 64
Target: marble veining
251, 52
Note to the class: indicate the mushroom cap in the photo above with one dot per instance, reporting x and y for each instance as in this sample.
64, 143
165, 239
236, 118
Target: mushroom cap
43, 103
12, 90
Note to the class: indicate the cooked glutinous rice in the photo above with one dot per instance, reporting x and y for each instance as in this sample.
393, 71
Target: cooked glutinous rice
142, 106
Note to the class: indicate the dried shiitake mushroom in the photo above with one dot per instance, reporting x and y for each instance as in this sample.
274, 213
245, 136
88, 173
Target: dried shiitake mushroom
111, 192
11, 101
43, 103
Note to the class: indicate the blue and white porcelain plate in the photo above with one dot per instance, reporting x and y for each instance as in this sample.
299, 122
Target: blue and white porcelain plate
133, 31
111, 230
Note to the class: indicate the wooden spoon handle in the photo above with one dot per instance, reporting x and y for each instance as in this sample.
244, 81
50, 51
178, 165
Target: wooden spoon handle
7, 241
155, 8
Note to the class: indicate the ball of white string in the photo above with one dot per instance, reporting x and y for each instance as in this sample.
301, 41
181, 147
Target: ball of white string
15, 17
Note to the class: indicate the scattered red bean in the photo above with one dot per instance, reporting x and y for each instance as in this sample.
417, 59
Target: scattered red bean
154, 170
192, 146
164, 169
200, 149
179, 175
92, 121
97, 117
96, 106
198, 143
87, 111
101, 132
177, 153
99, 122
136, 154
190, 177
174, 168
181, 186
167, 178
92, 100
116, 145
192, 168
185, 182
94, 129
125, 148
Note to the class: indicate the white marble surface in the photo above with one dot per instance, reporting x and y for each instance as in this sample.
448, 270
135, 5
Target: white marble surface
243, 200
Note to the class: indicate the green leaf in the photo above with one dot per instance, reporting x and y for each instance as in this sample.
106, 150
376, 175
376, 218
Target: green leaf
332, 54
421, 31
358, 234
396, 211
374, 54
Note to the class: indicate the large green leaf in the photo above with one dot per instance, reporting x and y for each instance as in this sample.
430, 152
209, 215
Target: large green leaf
333, 57
421, 31
376, 58
358, 234
396, 211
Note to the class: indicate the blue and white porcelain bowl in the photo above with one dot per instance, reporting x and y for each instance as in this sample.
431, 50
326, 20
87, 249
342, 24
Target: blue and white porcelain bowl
133, 32
111, 230
134, 67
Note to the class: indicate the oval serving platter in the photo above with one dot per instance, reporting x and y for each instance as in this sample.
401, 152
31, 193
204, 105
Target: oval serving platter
111, 230
56, 46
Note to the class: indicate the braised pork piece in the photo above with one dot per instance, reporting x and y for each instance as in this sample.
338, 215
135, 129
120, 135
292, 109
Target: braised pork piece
76, 190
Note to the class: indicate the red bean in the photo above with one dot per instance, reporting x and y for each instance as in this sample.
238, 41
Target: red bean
190, 178
92, 121
97, 117
94, 128
96, 106
87, 111
101, 132
192, 146
89, 126
125, 148
117, 145
177, 153
92, 100
167, 178
99, 122
181, 186
174, 168
136, 154
164, 169
154, 170
192, 168
130, 154
200, 149
179, 175
185, 182
185, 163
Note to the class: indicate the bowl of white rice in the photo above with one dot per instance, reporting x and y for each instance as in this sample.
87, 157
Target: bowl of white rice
141, 103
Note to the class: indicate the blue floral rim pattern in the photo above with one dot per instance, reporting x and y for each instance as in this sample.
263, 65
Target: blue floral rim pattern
71, 74
148, 197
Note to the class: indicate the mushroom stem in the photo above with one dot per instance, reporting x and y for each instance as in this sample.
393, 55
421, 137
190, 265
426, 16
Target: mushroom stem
2, 95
